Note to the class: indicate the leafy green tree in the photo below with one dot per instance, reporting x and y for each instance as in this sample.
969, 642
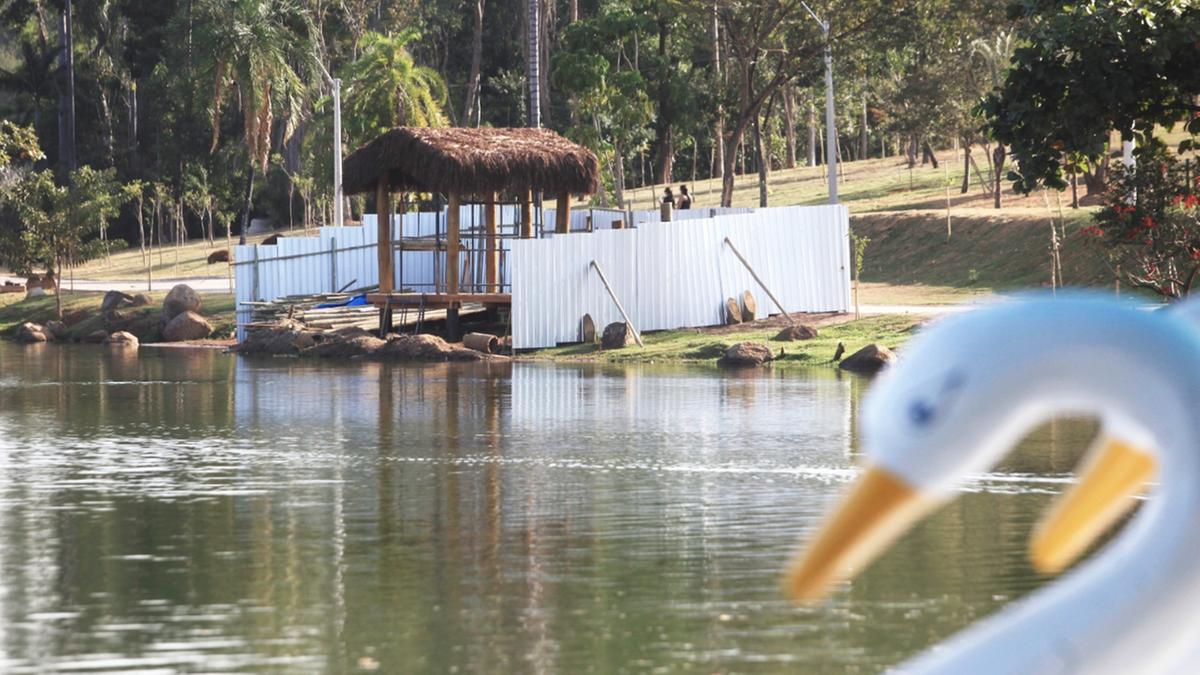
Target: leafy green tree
1087, 68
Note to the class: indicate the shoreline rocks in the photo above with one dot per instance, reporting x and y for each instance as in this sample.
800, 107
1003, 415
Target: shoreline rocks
870, 359
30, 333
186, 326
291, 338
180, 299
122, 339
746, 355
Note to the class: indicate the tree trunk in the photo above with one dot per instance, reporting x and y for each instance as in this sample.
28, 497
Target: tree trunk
789, 125
966, 181
862, 131
1074, 189
476, 56
663, 128
619, 175
248, 204
998, 156
760, 158
731, 146
912, 152
928, 155
812, 135
719, 127
66, 98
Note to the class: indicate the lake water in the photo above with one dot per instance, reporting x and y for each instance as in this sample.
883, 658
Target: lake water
178, 510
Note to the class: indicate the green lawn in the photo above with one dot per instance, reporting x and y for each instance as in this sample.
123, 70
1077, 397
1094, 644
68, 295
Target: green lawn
706, 345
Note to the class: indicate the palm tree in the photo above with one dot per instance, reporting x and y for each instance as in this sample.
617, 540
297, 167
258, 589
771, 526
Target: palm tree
259, 54
387, 88
996, 55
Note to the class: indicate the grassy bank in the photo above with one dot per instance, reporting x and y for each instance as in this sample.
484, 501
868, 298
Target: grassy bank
706, 345
81, 313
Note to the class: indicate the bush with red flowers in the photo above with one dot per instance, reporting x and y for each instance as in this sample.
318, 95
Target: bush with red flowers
1150, 224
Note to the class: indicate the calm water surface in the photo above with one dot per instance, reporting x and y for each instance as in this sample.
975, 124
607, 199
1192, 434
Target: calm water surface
186, 510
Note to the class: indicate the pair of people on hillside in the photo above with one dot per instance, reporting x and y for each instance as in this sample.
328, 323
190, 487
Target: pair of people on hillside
685, 199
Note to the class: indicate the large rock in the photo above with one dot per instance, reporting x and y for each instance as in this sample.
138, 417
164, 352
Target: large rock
140, 299
114, 300
31, 332
221, 256
797, 332
617, 335
186, 326
746, 354
181, 299
96, 337
122, 339
869, 359
56, 328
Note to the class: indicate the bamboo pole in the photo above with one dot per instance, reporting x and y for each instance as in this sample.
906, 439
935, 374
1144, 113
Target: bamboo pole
492, 258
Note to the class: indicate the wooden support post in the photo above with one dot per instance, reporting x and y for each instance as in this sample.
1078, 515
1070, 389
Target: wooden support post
453, 214
620, 308
562, 214
491, 261
384, 246
527, 215
754, 274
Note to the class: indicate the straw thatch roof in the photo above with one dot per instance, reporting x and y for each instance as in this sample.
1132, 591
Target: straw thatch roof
472, 161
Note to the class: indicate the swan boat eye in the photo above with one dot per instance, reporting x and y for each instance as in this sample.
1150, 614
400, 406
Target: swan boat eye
923, 412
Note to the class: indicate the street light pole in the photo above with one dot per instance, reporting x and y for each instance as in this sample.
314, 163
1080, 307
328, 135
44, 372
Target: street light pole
335, 85
831, 161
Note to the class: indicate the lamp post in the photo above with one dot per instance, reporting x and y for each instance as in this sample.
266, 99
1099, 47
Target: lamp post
830, 123
335, 85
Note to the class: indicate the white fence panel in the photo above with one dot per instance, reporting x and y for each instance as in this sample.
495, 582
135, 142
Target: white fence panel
672, 275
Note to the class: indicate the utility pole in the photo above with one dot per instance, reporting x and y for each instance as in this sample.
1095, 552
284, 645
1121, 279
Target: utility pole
335, 85
830, 118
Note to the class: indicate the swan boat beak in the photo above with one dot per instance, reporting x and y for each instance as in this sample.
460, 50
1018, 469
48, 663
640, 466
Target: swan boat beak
878, 509
1115, 472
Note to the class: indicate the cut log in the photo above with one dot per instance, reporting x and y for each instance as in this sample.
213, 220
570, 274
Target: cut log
749, 306
482, 342
733, 313
587, 330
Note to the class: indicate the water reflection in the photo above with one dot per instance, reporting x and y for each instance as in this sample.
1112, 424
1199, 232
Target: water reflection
184, 510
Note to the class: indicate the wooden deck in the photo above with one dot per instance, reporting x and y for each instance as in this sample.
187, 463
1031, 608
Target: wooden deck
437, 300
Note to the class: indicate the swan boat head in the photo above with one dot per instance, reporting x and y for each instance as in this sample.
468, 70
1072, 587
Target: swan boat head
967, 390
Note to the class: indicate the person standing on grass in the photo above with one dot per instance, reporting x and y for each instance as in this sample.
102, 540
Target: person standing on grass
685, 199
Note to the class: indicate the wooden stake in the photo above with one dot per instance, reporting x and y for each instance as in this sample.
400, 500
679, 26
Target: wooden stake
452, 243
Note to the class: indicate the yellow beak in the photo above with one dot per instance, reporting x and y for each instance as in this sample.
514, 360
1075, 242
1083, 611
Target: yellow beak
1114, 473
879, 508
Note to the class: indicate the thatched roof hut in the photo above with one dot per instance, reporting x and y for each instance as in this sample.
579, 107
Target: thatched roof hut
472, 161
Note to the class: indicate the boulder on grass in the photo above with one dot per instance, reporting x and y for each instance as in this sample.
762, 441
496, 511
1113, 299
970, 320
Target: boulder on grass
56, 328
32, 332
869, 359
746, 355
121, 339
215, 257
797, 332
186, 326
617, 335
114, 300
140, 299
96, 337
181, 299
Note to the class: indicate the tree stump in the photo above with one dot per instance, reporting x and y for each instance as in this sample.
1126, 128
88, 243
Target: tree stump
482, 342
733, 313
587, 330
749, 306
